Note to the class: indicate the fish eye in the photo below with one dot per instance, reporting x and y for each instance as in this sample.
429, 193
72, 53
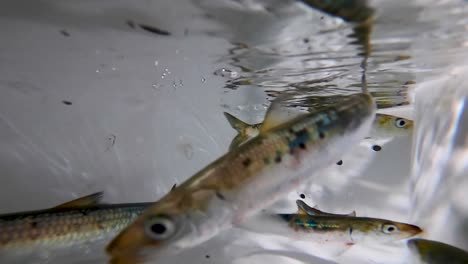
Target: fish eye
389, 228
399, 122
159, 228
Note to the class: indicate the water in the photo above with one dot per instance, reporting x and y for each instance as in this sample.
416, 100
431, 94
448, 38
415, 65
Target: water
145, 110
439, 162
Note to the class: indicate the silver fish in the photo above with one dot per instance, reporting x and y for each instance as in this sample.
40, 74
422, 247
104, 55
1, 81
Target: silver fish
384, 126
251, 177
70, 224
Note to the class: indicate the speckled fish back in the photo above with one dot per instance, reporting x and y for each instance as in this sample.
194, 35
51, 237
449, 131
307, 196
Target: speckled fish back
66, 227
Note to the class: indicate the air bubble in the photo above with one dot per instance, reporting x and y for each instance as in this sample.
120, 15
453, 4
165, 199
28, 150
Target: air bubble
226, 73
156, 86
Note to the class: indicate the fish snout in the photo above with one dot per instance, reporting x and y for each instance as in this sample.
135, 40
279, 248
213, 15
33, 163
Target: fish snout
408, 230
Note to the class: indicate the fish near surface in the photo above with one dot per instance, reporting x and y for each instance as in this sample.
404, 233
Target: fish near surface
71, 224
245, 180
434, 252
384, 127
389, 126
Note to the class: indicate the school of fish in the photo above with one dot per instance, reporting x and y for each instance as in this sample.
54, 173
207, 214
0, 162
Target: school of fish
267, 160
264, 162
246, 179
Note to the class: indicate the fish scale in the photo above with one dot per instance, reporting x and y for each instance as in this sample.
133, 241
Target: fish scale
64, 227
274, 146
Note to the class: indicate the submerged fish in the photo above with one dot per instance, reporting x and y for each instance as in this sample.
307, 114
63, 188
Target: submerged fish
384, 126
73, 223
391, 126
340, 230
246, 179
348, 229
434, 252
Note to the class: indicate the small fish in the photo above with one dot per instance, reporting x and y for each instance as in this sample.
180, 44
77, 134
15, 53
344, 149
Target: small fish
434, 252
231, 189
347, 229
384, 126
331, 234
70, 224
391, 126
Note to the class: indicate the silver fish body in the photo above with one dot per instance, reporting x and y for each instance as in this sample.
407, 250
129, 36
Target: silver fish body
246, 179
25, 232
385, 127
320, 227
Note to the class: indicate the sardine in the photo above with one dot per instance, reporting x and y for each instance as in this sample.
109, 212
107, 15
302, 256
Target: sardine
246, 179
434, 252
391, 126
70, 224
347, 229
384, 126
339, 230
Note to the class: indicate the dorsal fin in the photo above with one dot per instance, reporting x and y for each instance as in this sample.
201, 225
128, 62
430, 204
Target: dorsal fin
85, 201
236, 123
244, 130
303, 208
278, 114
